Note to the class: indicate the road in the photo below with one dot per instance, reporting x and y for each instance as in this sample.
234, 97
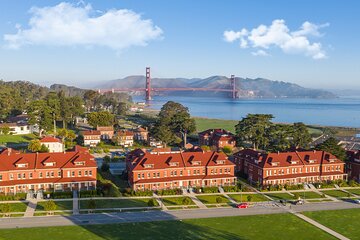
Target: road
108, 218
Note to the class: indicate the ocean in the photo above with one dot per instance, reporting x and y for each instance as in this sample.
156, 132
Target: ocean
342, 112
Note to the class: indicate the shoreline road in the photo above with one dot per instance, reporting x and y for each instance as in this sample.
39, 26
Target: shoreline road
147, 216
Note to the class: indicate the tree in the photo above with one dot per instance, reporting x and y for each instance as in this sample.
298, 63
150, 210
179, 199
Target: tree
40, 114
43, 148
91, 205
186, 201
300, 136
53, 103
5, 209
174, 120
90, 97
205, 148
34, 145
227, 149
254, 128
331, 145
219, 199
279, 137
50, 206
105, 167
103, 118
5, 130
164, 134
122, 108
249, 198
151, 202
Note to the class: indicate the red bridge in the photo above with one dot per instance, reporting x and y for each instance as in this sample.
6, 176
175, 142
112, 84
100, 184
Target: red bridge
148, 89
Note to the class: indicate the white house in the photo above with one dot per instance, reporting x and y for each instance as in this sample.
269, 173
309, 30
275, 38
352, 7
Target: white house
16, 128
53, 144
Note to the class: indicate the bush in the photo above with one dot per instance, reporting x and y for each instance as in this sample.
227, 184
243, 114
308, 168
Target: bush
152, 203
128, 192
249, 198
50, 206
209, 190
219, 199
227, 150
231, 189
89, 194
294, 187
186, 201
58, 195
296, 195
5, 208
105, 167
176, 191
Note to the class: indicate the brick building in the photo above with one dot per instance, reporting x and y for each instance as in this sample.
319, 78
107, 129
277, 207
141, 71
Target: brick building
289, 167
353, 165
106, 132
64, 171
217, 137
141, 134
169, 168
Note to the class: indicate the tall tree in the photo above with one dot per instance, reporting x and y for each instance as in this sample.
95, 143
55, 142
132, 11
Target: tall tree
254, 128
53, 103
300, 135
34, 145
279, 137
103, 118
40, 114
332, 146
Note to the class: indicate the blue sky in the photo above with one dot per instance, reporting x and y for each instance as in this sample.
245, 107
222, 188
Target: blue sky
311, 43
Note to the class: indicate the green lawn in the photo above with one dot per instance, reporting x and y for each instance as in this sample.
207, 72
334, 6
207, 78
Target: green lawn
308, 195
203, 124
335, 193
345, 222
211, 199
171, 201
280, 196
61, 205
13, 139
16, 207
116, 203
354, 191
243, 197
275, 226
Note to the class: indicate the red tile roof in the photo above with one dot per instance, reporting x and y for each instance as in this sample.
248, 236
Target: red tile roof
105, 128
90, 133
47, 139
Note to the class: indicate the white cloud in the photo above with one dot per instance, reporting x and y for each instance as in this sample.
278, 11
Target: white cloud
67, 24
260, 52
279, 35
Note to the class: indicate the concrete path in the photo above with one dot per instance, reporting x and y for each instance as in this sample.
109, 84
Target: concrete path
314, 189
30, 209
75, 203
193, 197
158, 200
221, 190
322, 227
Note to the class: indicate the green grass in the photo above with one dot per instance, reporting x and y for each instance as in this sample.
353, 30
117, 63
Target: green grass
280, 196
275, 226
116, 203
345, 222
16, 207
335, 193
13, 139
243, 197
203, 124
308, 195
171, 201
354, 191
211, 199
61, 205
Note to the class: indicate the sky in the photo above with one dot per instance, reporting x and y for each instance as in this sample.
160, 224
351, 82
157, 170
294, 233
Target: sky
311, 43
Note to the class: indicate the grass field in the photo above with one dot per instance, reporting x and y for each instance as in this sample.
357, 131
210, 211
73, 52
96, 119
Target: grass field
207, 123
308, 195
280, 196
61, 205
236, 228
16, 207
345, 222
335, 193
14, 139
211, 199
243, 197
171, 201
354, 191
116, 203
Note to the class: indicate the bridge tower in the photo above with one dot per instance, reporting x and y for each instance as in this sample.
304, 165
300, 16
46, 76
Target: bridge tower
148, 85
233, 86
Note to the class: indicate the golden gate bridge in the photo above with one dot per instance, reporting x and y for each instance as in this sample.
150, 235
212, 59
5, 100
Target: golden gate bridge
149, 90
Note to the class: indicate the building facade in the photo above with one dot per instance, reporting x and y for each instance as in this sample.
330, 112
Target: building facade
141, 134
17, 128
91, 138
289, 167
353, 165
218, 138
65, 171
167, 168
124, 138
53, 144
106, 132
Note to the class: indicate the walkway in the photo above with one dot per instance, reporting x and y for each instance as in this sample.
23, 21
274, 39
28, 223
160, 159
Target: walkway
314, 189
322, 227
221, 190
193, 197
158, 200
75, 203
30, 209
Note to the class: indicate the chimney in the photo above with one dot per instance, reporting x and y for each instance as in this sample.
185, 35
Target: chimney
9, 151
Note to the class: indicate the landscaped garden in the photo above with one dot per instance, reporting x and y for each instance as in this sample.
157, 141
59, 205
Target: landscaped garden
246, 227
248, 197
171, 201
213, 199
117, 203
335, 193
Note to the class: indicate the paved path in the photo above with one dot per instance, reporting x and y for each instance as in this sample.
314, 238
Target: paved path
75, 203
146, 216
221, 190
158, 200
198, 203
30, 209
322, 227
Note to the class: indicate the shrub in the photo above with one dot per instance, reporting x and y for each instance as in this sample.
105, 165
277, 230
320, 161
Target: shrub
89, 194
249, 198
231, 189
227, 150
209, 190
176, 191
219, 199
151, 203
294, 187
186, 201
58, 195
5, 208
296, 195
105, 167
107, 159
50, 206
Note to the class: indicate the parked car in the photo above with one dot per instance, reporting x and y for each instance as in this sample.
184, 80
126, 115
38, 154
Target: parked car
357, 201
299, 202
242, 205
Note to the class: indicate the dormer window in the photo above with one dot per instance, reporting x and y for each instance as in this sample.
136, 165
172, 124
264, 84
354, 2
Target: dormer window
274, 164
311, 161
293, 162
21, 165
81, 163
49, 164
195, 163
149, 165
174, 164
220, 162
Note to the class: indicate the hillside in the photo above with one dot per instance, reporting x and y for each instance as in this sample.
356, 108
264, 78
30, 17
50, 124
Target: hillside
247, 87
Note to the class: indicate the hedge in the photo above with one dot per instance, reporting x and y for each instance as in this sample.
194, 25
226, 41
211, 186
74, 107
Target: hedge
11, 197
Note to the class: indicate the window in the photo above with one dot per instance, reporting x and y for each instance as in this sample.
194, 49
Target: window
175, 173
139, 175
47, 174
194, 171
154, 175
31, 175
0, 177
158, 174
73, 174
11, 176
86, 173
181, 172
220, 171
19, 176
90, 173
24, 176
40, 175
143, 175
149, 175
59, 173
79, 173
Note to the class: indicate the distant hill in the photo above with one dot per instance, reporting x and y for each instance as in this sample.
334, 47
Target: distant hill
69, 91
247, 87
